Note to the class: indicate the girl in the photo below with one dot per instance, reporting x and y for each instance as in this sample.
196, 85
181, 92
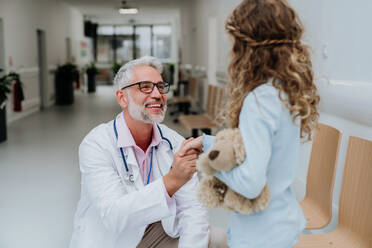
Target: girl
273, 101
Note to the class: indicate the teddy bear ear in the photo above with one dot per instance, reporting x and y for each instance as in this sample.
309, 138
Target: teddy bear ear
226, 134
238, 146
221, 135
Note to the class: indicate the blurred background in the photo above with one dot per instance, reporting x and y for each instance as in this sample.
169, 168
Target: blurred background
58, 59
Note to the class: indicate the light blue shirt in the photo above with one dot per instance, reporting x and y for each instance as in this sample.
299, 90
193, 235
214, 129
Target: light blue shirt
272, 143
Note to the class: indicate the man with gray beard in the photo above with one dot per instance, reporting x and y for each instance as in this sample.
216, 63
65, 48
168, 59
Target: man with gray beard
138, 176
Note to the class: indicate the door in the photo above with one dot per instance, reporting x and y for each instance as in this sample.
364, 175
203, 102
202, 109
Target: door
142, 41
43, 71
2, 55
68, 50
3, 114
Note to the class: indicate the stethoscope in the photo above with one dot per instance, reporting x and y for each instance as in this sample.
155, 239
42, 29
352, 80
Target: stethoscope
129, 172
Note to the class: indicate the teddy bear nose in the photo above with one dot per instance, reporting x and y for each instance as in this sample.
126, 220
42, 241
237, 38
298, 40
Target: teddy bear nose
213, 154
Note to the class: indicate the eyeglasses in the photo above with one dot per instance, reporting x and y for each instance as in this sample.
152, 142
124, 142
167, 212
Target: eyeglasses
147, 87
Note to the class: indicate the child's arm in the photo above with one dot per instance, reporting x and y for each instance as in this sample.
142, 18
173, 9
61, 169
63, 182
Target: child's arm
208, 142
259, 120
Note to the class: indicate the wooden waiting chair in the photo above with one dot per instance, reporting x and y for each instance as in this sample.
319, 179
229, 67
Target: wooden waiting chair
191, 94
207, 120
355, 216
220, 101
184, 102
317, 204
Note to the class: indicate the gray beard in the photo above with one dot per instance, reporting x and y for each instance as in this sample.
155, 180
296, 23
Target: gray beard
138, 112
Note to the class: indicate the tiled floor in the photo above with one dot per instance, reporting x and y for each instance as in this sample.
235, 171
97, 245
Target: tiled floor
39, 174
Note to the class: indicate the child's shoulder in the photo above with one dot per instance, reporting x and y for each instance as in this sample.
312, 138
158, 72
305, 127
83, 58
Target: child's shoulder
266, 89
264, 93
263, 108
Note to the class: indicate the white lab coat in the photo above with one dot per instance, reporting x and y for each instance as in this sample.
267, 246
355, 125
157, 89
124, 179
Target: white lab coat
115, 213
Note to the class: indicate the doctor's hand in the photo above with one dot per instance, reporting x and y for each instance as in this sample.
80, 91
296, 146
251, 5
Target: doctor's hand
192, 145
183, 167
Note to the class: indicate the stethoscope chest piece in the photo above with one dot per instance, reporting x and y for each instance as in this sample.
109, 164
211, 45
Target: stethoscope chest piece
130, 178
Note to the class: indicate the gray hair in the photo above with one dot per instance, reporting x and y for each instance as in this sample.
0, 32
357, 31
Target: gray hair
124, 75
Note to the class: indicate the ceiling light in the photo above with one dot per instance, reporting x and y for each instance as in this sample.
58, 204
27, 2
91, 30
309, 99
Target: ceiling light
128, 11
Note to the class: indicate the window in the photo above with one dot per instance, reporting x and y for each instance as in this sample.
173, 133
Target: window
116, 43
162, 41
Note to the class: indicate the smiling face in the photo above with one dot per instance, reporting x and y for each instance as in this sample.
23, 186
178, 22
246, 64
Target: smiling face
144, 107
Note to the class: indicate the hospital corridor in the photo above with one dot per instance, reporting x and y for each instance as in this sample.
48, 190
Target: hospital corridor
40, 170
292, 78
42, 161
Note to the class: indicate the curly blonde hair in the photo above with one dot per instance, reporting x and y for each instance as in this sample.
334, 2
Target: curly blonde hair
266, 45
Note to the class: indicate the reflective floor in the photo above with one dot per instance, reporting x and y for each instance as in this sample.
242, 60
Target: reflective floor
39, 173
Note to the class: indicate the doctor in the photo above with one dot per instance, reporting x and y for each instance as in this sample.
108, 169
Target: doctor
138, 177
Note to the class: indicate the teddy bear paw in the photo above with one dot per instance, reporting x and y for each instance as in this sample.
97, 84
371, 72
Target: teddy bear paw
262, 201
211, 192
202, 164
236, 202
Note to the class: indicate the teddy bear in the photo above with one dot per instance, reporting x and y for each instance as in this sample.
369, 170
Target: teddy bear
227, 153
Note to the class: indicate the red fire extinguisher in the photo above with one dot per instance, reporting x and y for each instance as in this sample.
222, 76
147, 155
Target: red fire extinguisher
18, 96
77, 76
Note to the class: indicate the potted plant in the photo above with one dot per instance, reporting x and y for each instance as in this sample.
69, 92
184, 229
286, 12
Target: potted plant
116, 67
168, 72
91, 71
5, 84
64, 83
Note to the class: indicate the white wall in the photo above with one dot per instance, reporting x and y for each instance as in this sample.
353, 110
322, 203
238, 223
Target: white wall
76, 34
342, 27
203, 11
207, 15
21, 19
186, 39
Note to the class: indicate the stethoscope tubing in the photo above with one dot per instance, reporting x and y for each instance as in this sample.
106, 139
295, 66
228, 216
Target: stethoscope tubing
130, 175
